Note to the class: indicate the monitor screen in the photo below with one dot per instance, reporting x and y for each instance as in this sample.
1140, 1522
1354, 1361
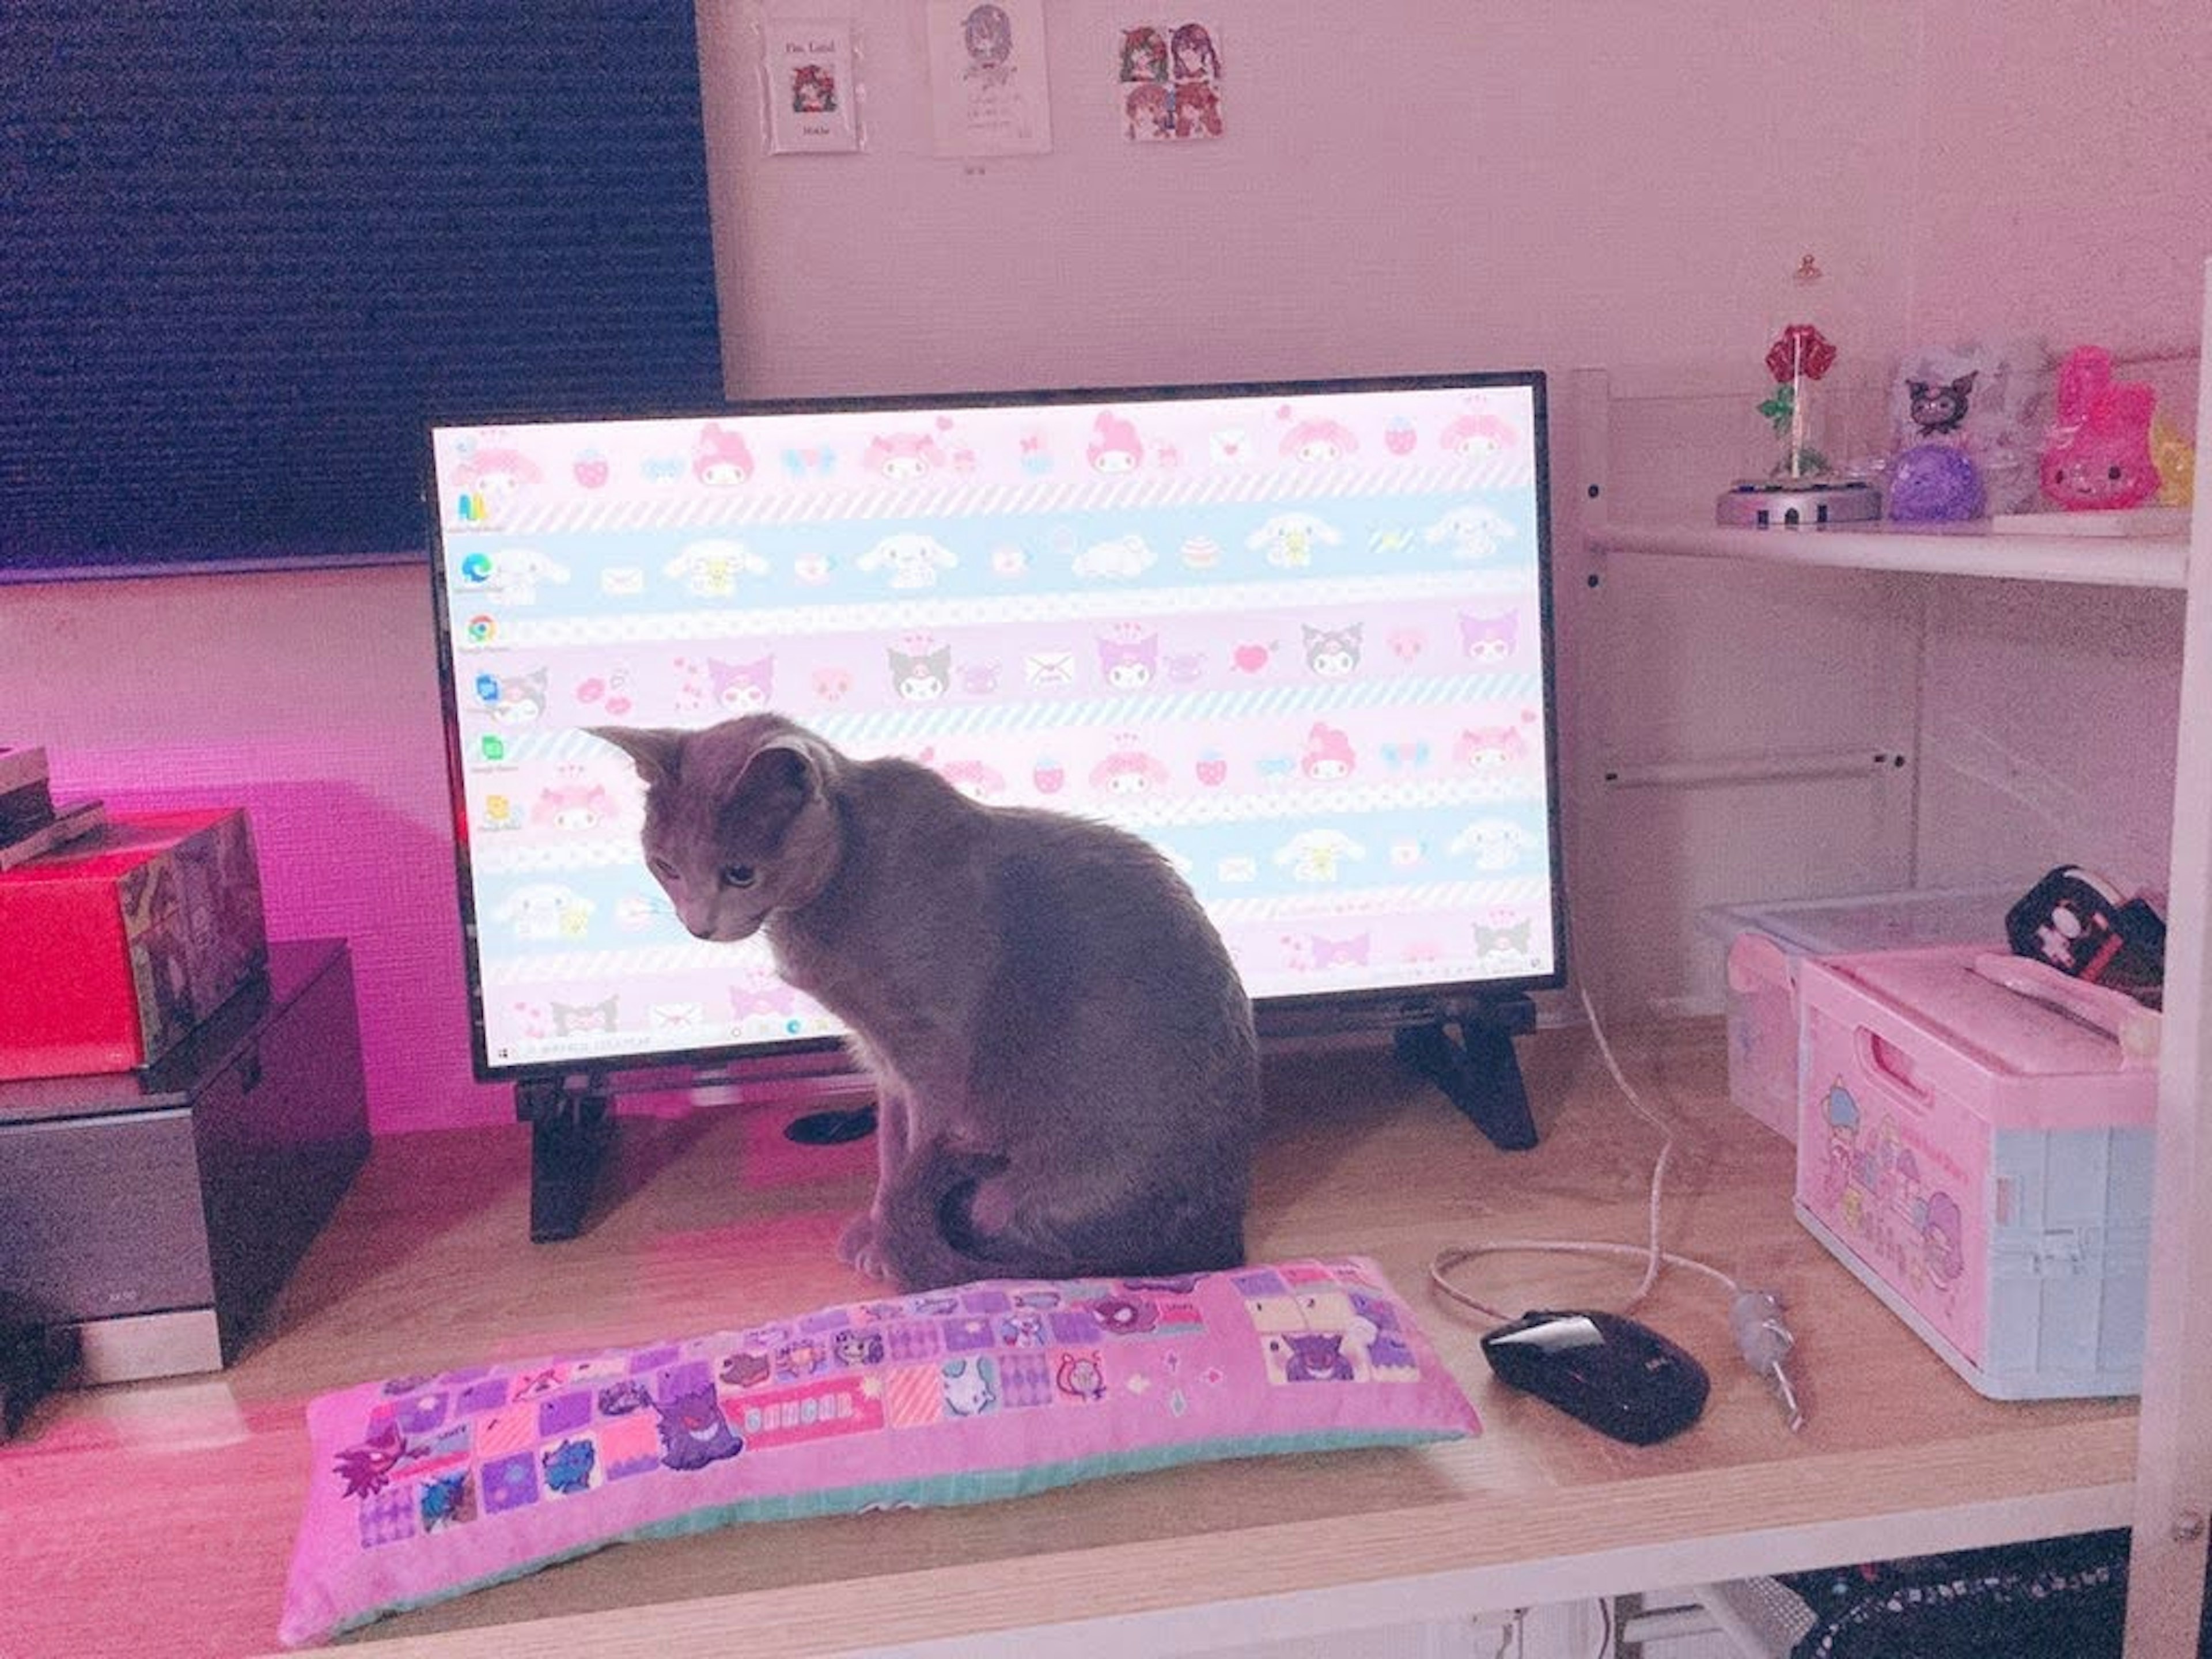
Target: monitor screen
1298, 635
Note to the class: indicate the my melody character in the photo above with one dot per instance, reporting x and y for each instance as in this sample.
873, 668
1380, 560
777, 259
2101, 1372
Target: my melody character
1128, 770
975, 779
492, 476
1114, 447
1478, 433
1129, 657
572, 804
1489, 639
1318, 440
922, 672
720, 458
913, 559
1489, 748
1288, 539
903, 456
1328, 756
1333, 653
742, 688
2098, 457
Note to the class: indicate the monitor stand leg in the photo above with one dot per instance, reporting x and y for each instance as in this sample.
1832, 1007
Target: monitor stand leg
571, 1126
1480, 1073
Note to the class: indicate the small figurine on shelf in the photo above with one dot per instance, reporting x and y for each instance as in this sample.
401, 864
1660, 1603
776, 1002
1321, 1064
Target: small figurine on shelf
2176, 462
1802, 355
1803, 487
1934, 483
2098, 456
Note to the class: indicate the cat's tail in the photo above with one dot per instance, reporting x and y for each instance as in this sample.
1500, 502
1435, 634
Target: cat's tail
929, 1238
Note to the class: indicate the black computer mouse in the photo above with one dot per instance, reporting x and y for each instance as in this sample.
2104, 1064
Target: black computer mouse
1621, 1378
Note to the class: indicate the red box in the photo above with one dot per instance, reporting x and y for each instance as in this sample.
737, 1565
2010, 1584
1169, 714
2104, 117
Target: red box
117, 945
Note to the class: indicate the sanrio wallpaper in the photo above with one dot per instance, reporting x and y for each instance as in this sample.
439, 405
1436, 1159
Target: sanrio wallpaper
1295, 636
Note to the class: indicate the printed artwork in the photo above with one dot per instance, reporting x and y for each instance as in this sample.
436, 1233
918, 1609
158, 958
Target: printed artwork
1295, 641
987, 63
813, 99
1168, 81
1890, 1186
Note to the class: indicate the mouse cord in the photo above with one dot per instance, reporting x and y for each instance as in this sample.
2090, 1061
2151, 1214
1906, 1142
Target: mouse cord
1754, 1316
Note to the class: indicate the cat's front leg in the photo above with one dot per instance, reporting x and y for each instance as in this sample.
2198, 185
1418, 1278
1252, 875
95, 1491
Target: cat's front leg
857, 1245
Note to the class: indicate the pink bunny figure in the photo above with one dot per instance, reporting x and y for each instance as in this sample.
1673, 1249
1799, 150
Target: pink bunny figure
2098, 455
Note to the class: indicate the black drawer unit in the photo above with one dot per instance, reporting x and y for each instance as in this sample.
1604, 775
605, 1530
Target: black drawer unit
157, 1211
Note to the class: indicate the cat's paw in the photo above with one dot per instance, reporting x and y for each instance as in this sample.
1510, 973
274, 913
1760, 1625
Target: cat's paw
859, 1246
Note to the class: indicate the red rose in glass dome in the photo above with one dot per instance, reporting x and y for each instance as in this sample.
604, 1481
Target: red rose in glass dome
1803, 349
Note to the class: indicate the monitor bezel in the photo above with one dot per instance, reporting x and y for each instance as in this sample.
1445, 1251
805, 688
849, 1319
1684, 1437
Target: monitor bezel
1278, 1016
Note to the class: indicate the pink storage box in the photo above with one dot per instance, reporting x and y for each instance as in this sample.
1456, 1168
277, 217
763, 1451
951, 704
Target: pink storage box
1980, 1160
1768, 942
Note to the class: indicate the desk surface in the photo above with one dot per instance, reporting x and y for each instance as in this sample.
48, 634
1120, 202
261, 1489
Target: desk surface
158, 1517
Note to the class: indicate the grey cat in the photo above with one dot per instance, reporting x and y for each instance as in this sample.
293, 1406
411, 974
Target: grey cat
1068, 1075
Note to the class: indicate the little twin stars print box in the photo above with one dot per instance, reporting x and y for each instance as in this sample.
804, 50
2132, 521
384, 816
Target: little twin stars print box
1980, 1160
424, 1487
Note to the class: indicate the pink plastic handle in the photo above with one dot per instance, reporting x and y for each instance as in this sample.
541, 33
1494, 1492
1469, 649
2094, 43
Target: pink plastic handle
1876, 1061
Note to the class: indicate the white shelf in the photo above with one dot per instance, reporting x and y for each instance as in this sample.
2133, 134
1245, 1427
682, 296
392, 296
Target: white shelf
1966, 550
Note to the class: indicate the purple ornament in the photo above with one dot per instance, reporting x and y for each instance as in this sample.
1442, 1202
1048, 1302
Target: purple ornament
1934, 483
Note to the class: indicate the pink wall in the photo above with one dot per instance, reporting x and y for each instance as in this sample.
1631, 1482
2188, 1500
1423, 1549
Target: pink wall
2067, 184
311, 700
1461, 185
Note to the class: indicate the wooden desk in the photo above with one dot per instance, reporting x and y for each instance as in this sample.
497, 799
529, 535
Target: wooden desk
158, 1517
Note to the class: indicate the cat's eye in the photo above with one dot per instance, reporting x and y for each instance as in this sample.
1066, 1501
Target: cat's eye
661, 868
737, 875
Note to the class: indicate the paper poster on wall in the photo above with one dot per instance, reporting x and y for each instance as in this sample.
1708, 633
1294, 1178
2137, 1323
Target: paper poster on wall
813, 98
1168, 82
986, 61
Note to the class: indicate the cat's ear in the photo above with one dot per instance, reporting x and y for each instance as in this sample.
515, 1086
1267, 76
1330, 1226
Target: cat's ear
652, 750
781, 777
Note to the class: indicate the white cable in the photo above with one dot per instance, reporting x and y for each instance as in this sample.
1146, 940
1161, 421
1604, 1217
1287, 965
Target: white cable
1654, 1257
